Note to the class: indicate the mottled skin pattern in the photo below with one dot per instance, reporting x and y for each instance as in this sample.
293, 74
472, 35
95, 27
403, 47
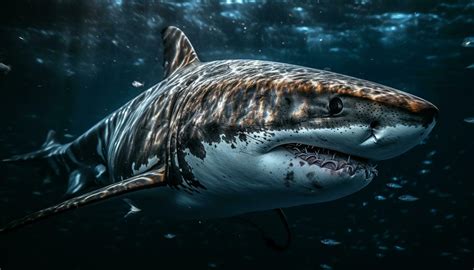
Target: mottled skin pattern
237, 96
143, 144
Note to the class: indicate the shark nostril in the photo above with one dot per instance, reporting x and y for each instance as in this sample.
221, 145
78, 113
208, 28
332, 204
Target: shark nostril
374, 124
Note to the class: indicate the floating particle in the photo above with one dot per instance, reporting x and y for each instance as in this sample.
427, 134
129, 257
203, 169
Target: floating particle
423, 171
443, 195
393, 185
139, 62
407, 198
364, 204
380, 198
47, 180
469, 120
431, 154
69, 72
137, 84
69, 136
37, 193
395, 179
330, 242
212, 265
383, 247
63, 229
468, 42
115, 42
169, 236
39, 61
471, 66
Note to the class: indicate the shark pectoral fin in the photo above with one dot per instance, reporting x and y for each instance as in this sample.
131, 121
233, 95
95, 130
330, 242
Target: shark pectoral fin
178, 51
149, 179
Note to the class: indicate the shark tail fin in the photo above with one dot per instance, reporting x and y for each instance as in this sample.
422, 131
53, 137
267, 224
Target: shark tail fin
48, 148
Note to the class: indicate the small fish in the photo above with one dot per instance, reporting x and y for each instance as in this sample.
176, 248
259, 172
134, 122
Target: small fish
380, 198
325, 266
407, 198
449, 216
468, 42
469, 120
99, 170
133, 208
330, 242
393, 185
5, 68
137, 84
69, 136
169, 236
399, 248
427, 162
471, 66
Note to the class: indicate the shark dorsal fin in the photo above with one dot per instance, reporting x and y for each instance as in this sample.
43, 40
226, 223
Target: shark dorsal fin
178, 51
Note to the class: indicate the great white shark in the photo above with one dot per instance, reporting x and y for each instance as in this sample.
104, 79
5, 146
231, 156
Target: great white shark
223, 138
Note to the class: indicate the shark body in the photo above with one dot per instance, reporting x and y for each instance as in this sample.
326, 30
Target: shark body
223, 138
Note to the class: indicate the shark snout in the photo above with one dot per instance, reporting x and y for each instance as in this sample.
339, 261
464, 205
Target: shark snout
388, 138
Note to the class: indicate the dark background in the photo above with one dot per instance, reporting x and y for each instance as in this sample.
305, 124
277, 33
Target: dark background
73, 63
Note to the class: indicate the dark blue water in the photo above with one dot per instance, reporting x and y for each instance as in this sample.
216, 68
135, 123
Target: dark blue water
73, 62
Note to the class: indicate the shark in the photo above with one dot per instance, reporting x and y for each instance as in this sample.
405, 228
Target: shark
223, 138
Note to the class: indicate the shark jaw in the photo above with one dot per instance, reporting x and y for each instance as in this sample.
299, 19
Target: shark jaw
260, 170
340, 163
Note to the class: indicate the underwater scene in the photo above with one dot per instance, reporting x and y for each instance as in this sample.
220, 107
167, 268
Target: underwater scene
237, 134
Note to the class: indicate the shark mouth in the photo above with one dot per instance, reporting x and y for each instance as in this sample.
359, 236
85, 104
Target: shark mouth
332, 160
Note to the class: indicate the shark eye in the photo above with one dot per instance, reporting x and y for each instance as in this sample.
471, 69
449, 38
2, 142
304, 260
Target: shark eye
335, 106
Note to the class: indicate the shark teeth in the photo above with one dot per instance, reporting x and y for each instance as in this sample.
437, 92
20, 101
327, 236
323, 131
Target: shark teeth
332, 160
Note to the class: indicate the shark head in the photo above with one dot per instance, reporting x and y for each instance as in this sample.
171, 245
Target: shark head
264, 135
293, 135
